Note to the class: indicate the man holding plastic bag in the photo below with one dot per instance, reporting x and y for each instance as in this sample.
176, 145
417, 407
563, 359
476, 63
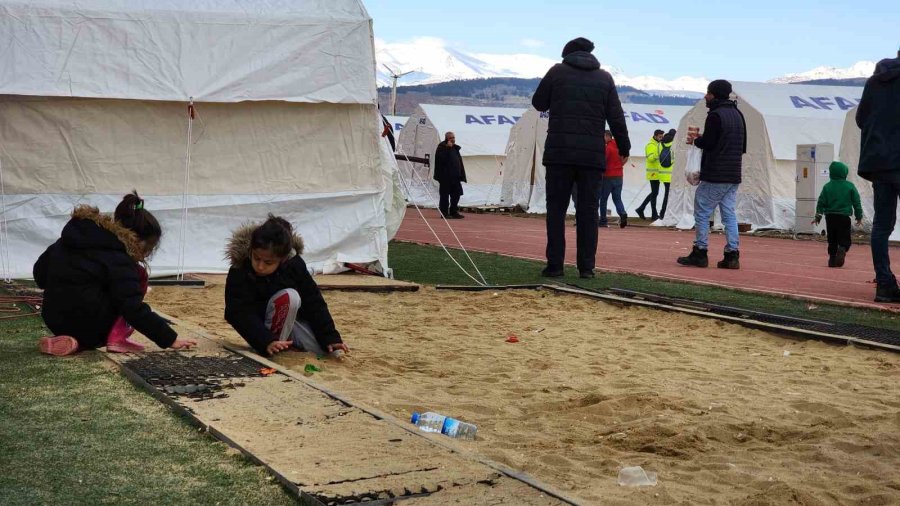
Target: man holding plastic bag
723, 142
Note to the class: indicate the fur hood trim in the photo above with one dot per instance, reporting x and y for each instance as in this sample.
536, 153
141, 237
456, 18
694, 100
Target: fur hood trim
105, 221
238, 249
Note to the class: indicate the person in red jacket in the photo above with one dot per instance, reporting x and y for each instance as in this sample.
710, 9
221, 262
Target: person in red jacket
612, 183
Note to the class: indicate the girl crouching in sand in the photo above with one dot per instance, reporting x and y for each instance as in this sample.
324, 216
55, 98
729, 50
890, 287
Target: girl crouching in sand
271, 299
94, 279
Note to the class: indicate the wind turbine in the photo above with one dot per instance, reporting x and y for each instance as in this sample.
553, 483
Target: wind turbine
394, 76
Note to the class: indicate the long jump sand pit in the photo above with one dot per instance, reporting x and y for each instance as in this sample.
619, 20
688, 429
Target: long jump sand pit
720, 412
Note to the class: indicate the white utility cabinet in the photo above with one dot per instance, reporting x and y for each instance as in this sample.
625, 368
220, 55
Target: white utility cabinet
813, 161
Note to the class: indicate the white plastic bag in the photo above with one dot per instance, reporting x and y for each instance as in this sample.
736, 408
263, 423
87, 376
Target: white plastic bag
692, 167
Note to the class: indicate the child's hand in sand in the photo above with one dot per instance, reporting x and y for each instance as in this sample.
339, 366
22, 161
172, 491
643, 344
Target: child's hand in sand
183, 344
277, 347
339, 346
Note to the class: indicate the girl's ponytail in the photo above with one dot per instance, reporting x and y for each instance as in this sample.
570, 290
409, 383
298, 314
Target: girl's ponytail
130, 213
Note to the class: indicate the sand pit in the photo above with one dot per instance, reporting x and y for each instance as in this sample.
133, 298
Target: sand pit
717, 410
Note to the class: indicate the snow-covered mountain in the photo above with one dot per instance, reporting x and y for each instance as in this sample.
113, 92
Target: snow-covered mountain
432, 60
859, 69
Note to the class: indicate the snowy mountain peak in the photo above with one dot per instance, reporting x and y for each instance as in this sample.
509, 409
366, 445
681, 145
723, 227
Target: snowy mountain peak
859, 69
431, 60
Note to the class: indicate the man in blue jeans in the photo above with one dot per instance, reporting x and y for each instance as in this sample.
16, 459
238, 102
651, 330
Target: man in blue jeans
723, 142
878, 116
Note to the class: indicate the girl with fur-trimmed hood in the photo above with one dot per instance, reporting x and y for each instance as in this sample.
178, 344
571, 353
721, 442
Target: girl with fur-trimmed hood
271, 300
94, 279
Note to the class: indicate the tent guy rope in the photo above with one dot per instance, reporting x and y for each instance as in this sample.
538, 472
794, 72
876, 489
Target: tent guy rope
422, 183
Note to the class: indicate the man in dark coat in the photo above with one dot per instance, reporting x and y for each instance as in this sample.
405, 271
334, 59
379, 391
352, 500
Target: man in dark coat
878, 116
581, 99
724, 141
450, 173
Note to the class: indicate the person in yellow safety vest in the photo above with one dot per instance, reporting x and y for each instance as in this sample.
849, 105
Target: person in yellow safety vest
652, 152
666, 164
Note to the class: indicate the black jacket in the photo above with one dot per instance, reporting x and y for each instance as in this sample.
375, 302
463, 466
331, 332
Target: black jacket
247, 295
723, 142
90, 278
581, 99
878, 116
448, 164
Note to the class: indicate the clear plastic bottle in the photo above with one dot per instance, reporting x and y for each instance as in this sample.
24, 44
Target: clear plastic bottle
438, 423
428, 422
459, 430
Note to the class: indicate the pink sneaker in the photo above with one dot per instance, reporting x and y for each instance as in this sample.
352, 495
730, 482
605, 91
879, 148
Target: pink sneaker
58, 345
118, 342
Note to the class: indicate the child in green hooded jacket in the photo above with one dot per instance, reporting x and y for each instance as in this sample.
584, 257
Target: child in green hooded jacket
838, 201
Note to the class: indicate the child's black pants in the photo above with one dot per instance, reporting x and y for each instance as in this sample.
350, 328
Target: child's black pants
837, 227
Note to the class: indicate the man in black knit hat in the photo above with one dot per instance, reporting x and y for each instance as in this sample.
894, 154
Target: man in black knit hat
723, 142
581, 99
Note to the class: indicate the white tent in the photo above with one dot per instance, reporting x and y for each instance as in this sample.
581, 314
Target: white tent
481, 132
94, 102
850, 150
779, 117
524, 173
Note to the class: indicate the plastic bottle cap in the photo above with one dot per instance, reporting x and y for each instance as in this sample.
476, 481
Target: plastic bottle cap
415, 417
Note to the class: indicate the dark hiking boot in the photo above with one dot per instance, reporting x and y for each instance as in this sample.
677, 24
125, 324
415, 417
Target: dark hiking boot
840, 256
623, 221
586, 274
654, 218
641, 213
887, 294
697, 258
731, 260
456, 216
552, 273
831, 261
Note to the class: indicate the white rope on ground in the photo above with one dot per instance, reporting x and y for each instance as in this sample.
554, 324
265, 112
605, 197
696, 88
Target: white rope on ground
453, 232
5, 259
184, 195
483, 281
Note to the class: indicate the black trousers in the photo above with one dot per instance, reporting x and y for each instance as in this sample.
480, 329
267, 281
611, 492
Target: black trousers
837, 226
559, 180
662, 210
449, 202
651, 199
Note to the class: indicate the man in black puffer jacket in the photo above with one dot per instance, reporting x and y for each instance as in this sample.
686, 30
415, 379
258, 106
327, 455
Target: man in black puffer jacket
724, 141
581, 99
879, 161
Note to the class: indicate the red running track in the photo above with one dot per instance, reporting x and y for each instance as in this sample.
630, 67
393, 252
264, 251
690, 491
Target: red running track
768, 265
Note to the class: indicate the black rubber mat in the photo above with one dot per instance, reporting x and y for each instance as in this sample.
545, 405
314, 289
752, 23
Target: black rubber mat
197, 377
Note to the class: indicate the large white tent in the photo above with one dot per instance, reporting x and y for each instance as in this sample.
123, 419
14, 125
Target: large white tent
524, 173
481, 132
850, 151
94, 101
779, 117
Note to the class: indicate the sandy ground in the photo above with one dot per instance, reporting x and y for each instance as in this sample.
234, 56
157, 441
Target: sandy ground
717, 410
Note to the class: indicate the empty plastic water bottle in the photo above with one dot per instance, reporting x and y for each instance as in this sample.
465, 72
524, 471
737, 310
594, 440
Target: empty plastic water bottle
436, 422
428, 422
459, 430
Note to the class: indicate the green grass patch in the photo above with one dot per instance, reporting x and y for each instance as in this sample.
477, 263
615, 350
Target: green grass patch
73, 430
429, 265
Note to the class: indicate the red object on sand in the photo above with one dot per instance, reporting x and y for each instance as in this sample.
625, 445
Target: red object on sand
512, 339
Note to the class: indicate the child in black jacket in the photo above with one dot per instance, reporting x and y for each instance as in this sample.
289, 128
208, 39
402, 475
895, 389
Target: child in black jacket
94, 282
271, 300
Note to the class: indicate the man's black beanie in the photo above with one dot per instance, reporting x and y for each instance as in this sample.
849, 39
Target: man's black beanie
720, 89
579, 44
